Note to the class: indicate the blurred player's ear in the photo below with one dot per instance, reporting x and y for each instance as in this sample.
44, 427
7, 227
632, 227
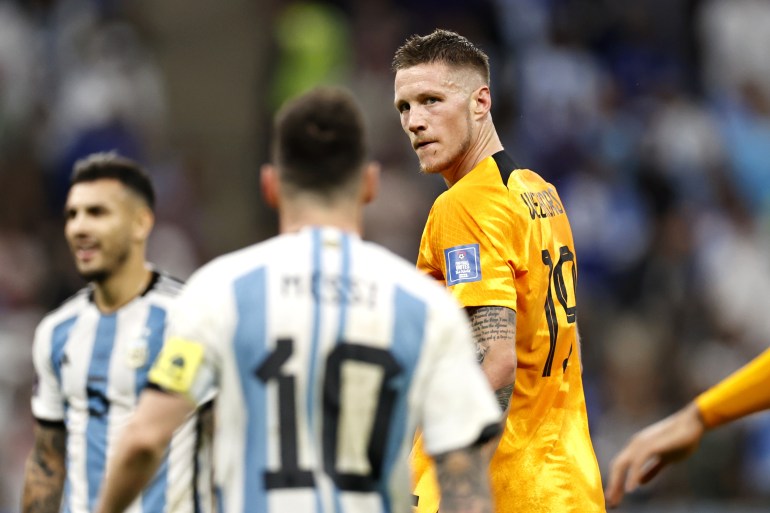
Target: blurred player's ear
144, 220
371, 185
268, 177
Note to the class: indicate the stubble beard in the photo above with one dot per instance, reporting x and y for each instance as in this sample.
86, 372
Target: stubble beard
451, 160
99, 276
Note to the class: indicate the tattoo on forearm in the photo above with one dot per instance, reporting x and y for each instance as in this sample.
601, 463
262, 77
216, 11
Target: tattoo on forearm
45, 471
494, 327
463, 478
490, 324
482, 347
504, 396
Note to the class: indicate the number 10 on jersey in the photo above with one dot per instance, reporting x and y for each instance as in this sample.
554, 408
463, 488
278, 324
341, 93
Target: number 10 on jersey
290, 475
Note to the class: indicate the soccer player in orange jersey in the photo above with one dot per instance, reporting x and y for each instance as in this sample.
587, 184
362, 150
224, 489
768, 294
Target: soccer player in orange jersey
500, 240
674, 438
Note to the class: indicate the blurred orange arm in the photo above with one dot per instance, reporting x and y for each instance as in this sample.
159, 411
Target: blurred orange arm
743, 392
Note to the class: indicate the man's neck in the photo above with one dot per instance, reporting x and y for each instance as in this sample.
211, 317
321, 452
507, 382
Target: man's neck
122, 287
294, 217
485, 145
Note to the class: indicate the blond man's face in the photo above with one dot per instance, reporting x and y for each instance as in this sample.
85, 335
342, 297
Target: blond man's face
434, 103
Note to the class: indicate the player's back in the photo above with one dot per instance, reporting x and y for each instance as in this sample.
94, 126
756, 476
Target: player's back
547, 431
322, 372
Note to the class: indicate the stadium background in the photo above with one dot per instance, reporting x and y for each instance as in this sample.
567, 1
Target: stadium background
652, 117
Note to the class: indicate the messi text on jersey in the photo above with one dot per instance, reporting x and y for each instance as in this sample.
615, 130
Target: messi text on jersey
333, 288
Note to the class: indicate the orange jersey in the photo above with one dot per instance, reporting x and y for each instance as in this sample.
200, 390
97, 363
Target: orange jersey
500, 237
745, 391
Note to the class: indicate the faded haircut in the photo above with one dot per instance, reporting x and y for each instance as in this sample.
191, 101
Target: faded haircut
98, 166
442, 46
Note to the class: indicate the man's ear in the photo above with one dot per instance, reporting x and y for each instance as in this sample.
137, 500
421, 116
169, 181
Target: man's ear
143, 223
268, 178
371, 182
482, 101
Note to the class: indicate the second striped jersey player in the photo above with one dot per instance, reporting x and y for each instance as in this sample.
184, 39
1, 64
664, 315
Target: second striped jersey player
92, 355
91, 368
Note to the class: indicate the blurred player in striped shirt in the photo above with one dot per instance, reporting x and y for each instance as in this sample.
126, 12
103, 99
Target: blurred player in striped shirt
93, 353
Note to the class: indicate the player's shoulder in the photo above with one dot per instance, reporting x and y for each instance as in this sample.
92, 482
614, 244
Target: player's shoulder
165, 285
405, 276
525, 179
224, 269
284, 250
384, 260
67, 309
533, 197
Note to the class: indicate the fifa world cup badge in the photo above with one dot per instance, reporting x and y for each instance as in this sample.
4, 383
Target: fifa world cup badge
138, 350
463, 264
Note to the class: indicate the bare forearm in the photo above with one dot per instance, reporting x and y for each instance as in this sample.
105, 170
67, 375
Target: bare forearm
494, 331
464, 482
42, 489
669, 440
45, 472
127, 476
141, 448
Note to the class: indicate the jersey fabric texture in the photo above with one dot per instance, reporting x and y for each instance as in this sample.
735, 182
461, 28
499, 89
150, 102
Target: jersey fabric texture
326, 351
743, 392
91, 368
500, 237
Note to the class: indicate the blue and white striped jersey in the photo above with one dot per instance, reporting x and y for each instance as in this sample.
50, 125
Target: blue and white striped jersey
91, 368
327, 352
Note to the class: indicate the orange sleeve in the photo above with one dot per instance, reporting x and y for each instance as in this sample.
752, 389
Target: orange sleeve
427, 260
745, 391
465, 243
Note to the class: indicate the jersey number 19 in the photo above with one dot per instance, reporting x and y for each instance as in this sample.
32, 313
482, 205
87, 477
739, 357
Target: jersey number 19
556, 282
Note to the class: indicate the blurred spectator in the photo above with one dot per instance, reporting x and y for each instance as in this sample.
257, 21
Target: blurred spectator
745, 115
559, 95
17, 75
734, 36
109, 97
684, 145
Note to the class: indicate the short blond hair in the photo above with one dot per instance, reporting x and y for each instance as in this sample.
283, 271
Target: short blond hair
442, 46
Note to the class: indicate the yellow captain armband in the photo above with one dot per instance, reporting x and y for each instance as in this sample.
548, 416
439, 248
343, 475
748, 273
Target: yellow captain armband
177, 364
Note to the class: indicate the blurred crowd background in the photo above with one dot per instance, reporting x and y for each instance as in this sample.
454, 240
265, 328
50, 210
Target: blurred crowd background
651, 117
